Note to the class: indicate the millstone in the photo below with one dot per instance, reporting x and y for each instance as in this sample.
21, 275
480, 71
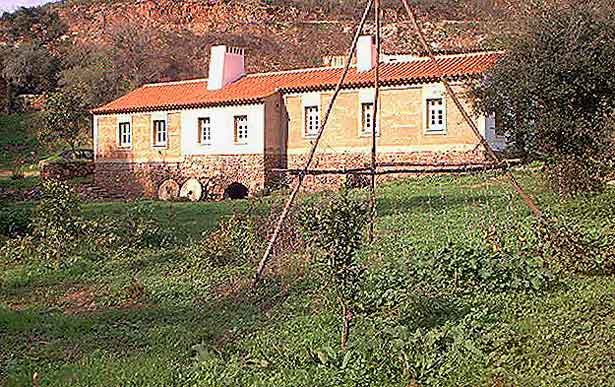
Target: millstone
192, 190
169, 190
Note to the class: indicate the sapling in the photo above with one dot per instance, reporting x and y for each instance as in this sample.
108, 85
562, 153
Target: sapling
337, 232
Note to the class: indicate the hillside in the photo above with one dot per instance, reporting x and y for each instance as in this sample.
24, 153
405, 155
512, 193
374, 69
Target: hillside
277, 34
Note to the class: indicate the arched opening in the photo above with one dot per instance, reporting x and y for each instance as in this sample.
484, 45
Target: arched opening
236, 191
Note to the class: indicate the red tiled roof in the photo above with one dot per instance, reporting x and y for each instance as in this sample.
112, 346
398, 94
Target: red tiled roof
254, 87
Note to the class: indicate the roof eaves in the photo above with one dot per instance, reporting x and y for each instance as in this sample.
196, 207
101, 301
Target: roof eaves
196, 105
385, 83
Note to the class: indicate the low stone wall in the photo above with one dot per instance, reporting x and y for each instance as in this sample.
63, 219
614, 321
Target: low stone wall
142, 179
360, 160
65, 170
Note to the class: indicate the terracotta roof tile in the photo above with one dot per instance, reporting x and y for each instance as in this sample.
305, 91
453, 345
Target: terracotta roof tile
254, 87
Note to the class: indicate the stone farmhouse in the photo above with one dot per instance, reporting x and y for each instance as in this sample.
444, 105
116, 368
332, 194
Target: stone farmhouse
232, 130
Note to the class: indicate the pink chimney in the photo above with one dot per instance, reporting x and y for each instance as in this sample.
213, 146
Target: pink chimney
226, 65
366, 54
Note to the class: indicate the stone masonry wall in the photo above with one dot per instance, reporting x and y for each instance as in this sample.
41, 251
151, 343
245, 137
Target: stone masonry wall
142, 179
65, 170
360, 160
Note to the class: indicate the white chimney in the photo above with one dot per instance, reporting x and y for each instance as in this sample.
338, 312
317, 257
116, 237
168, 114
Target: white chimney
226, 65
366, 54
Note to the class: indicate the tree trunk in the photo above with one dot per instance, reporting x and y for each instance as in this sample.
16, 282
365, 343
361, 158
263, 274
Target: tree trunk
8, 97
346, 319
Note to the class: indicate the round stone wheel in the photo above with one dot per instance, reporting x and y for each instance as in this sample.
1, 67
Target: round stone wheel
169, 190
192, 190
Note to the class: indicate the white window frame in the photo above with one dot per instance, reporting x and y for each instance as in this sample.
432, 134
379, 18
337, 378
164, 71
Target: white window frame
204, 135
435, 115
366, 131
311, 121
241, 132
367, 97
124, 136
434, 92
161, 137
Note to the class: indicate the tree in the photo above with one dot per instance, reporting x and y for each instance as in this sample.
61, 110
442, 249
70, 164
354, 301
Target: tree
39, 25
91, 76
554, 91
144, 55
64, 119
30, 68
337, 232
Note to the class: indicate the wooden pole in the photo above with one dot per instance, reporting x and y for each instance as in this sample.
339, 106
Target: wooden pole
291, 199
427, 168
372, 192
528, 200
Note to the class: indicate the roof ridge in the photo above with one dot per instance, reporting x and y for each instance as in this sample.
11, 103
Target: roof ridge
281, 72
416, 59
196, 80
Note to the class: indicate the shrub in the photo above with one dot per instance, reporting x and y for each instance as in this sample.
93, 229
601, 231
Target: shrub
15, 221
336, 231
354, 181
58, 226
572, 248
138, 227
234, 241
475, 266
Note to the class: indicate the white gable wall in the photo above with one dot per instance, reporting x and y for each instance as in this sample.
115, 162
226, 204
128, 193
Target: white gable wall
223, 130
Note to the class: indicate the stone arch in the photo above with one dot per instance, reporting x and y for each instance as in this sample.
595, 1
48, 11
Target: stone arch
236, 191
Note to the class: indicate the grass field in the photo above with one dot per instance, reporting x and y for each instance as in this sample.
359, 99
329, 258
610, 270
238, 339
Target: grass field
160, 317
14, 131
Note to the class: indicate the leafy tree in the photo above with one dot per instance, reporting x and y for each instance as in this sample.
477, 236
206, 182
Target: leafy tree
64, 119
144, 55
554, 91
39, 25
30, 68
91, 75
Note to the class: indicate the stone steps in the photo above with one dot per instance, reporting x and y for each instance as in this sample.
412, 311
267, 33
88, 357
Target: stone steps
91, 191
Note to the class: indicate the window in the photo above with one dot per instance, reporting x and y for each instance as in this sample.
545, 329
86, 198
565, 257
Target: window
241, 129
125, 134
499, 127
160, 133
205, 130
367, 119
312, 121
436, 120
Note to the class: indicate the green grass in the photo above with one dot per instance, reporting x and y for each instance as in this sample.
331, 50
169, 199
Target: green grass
85, 324
23, 183
14, 130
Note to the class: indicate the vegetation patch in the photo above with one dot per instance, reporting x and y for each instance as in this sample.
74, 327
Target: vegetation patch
456, 290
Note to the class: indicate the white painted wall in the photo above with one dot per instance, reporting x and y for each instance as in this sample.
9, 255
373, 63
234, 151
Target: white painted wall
498, 143
222, 130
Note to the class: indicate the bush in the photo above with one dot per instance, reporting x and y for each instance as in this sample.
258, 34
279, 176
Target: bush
137, 228
58, 226
234, 241
336, 231
473, 266
574, 249
15, 221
